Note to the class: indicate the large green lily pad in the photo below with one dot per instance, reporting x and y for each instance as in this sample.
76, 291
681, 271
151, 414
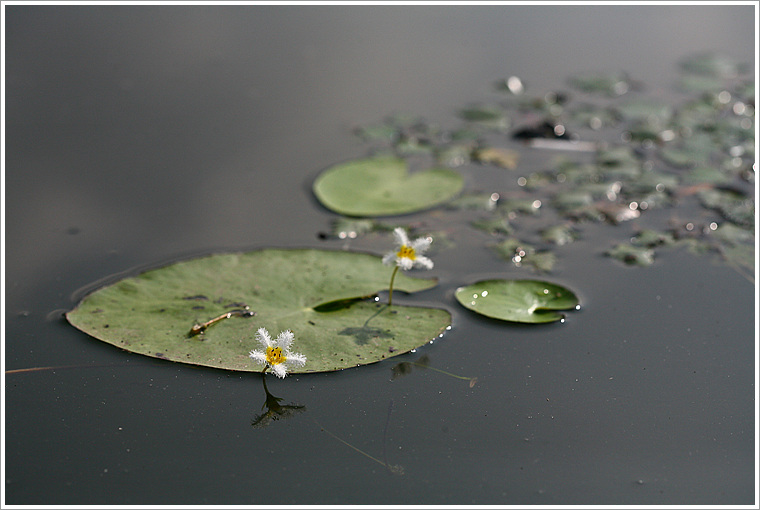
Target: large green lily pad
382, 186
323, 296
529, 301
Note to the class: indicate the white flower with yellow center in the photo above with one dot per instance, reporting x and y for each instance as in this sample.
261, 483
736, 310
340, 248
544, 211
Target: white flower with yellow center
407, 255
276, 354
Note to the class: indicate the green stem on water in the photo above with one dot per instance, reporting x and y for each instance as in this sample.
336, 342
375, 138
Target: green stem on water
390, 289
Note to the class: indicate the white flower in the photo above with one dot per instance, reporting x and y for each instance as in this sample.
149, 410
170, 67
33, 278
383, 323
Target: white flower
409, 254
276, 353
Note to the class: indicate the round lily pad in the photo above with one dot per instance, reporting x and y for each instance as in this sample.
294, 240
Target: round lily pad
324, 297
382, 186
528, 301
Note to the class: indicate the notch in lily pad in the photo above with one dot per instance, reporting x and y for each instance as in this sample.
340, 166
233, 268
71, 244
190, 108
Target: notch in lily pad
525, 301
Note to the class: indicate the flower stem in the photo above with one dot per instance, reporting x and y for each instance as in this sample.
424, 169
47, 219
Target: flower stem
390, 289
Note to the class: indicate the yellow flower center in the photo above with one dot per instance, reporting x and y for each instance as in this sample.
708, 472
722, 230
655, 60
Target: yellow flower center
275, 356
406, 252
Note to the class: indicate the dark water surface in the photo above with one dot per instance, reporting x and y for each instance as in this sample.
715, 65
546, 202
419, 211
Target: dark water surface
141, 135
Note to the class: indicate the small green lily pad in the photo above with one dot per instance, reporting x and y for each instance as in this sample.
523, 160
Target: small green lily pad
323, 296
649, 109
382, 186
528, 301
559, 234
614, 83
632, 255
711, 64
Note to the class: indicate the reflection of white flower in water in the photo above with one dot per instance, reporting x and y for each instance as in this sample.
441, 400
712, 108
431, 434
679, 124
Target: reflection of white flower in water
276, 354
274, 410
409, 254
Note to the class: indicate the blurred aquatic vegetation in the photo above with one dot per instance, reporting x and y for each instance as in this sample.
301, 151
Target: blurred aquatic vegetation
632, 254
486, 116
523, 254
691, 149
635, 152
713, 64
504, 158
351, 228
733, 205
611, 83
559, 234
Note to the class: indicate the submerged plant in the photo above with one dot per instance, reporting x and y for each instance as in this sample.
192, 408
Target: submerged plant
407, 255
276, 354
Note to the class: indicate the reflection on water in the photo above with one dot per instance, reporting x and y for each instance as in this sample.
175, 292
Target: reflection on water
406, 367
274, 410
395, 469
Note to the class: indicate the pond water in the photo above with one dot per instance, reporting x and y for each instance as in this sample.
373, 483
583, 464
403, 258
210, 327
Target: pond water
137, 136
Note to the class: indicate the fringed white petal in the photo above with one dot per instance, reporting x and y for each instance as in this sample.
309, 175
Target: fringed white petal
280, 370
405, 263
258, 356
296, 359
423, 262
262, 335
421, 244
284, 339
401, 238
